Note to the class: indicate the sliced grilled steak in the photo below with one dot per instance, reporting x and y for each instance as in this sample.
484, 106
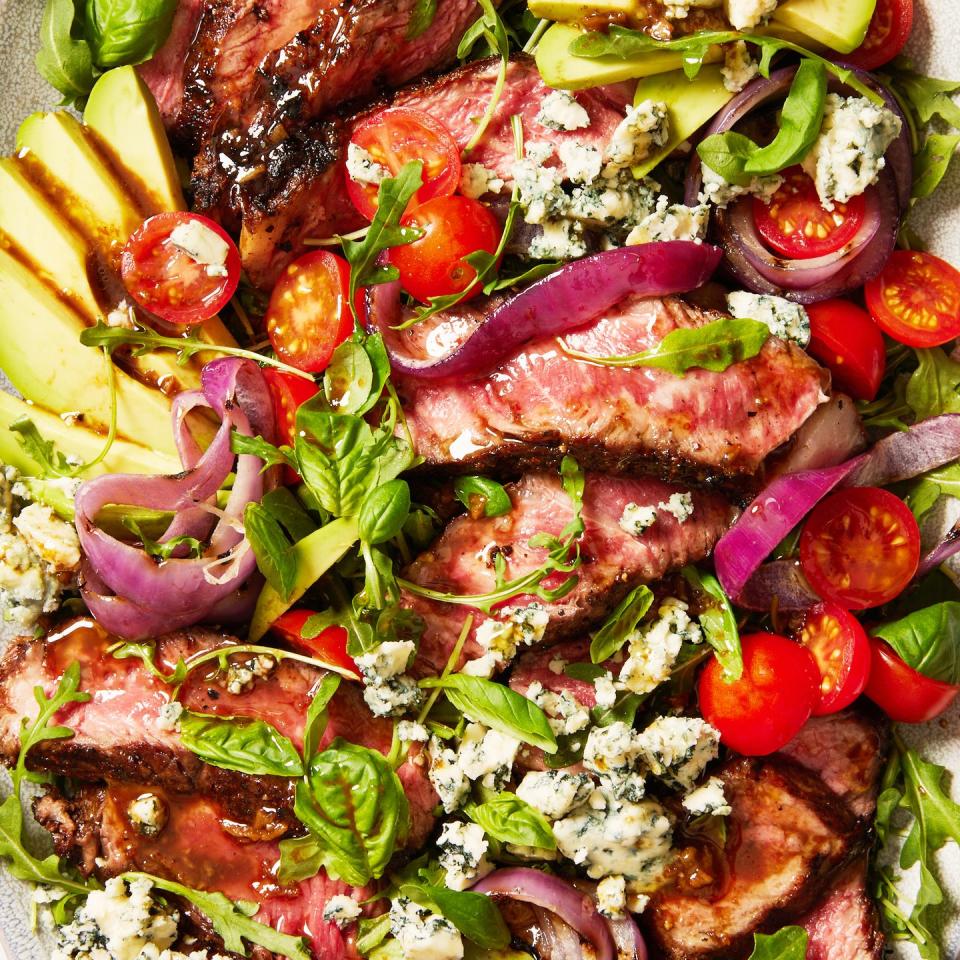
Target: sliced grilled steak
539, 403
284, 191
461, 562
788, 838
119, 735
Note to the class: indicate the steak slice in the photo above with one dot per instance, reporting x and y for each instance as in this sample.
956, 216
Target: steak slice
461, 562
540, 403
119, 735
788, 837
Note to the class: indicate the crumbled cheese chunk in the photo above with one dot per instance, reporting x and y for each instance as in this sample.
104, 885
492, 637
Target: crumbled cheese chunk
678, 749
747, 14
168, 719
560, 110
422, 934
671, 221
447, 776
637, 519
557, 665
739, 68
362, 168
848, 155
610, 748
393, 697
202, 245
487, 755
581, 162
786, 320
557, 240
680, 9
679, 506
717, 191
386, 661
554, 792
523, 626
148, 814
50, 538
623, 785
539, 190
341, 910
463, 854
708, 798
645, 127
653, 648
411, 732
612, 896
614, 200
564, 713
477, 181
605, 692
485, 666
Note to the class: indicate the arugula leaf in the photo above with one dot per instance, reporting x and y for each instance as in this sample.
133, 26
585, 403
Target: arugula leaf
275, 558
65, 59
790, 943
928, 640
234, 743
316, 720
482, 497
727, 154
928, 96
476, 916
127, 31
492, 29
421, 18
497, 707
537, 272
930, 165
286, 509
507, 818
719, 623
620, 624
232, 921
714, 346
934, 387
272, 456
384, 512
354, 806
165, 550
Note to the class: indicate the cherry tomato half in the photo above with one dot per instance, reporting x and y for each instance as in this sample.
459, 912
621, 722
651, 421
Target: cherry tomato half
846, 341
860, 547
395, 137
453, 227
766, 708
886, 36
842, 651
288, 392
901, 692
916, 299
795, 223
180, 266
309, 314
330, 645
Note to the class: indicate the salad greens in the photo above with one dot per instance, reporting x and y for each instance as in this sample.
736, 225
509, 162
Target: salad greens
719, 623
927, 640
233, 743
507, 818
482, 495
616, 629
789, 943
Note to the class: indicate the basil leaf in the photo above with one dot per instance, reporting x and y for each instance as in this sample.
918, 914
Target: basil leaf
499, 708
620, 624
719, 623
65, 60
790, 943
353, 803
928, 640
333, 454
624, 710
934, 387
509, 819
421, 18
714, 346
570, 747
800, 121
727, 154
482, 497
584, 671
349, 380
284, 507
384, 512
930, 165
300, 859
476, 916
128, 31
316, 721
272, 456
233, 743
275, 558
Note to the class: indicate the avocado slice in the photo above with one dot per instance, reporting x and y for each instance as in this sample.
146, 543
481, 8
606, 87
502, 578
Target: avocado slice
690, 104
840, 25
40, 354
562, 70
578, 9
75, 440
123, 114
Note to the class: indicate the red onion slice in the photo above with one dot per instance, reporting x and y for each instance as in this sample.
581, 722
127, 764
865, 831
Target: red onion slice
573, 907
781, 581
571, 297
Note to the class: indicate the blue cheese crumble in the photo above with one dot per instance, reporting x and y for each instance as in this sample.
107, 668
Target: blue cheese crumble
611, 748
679, 506
747, 14
202, 245
739, 68
680, 9
707, 799
717, 191
847, 157
560, 110
523, 626
581, 161
463, 854
786, 320
388, 692
671, 221
637, 519
564, 712
653, 648
612, 896
422, 934
678, 749
477, 181
645, 128
554, 792
341, 910
362, 168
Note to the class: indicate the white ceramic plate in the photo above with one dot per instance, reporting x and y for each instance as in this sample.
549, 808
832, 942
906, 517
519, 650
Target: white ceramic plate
934, 48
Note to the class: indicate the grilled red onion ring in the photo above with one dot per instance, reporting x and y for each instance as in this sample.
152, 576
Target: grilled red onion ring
130, 593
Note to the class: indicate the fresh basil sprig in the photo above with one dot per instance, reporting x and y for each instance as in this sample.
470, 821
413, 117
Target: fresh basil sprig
498, 707
789, 943
714, 346
384, 512
719, 623
507, 818
234, 743
928, 640
625, 618
127, 31
482, 496
65, 59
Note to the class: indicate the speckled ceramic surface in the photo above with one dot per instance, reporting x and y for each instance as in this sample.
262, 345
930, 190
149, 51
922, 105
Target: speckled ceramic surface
934, 48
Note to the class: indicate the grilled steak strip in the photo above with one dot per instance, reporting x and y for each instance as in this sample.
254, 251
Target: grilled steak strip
461, 562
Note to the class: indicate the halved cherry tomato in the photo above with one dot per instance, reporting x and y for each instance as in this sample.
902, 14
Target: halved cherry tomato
765, 709
330, 645
860, 547
842, 651
886, 36
795, 223
397, 136
846, 341
901, 692
453, 227
916, 299
288, 392
309, 314
181, 267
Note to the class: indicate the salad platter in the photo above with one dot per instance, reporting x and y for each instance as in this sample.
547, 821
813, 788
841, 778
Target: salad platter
479, 480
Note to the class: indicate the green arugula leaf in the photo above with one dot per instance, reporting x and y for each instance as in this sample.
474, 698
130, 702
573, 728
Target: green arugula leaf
286, 509
620, 624
524, 278
232, 921
316, 721
719, 623
492, 29
234, 743
384, 512
165, 550
275, 557
65, 60
727, 154
482, 497
790, 943
476, 916
354, 805
928, 96
127, 31
934, 387
928, 640
497, 707
507, 818
714, 346
271, 455
930, 165
421, 18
